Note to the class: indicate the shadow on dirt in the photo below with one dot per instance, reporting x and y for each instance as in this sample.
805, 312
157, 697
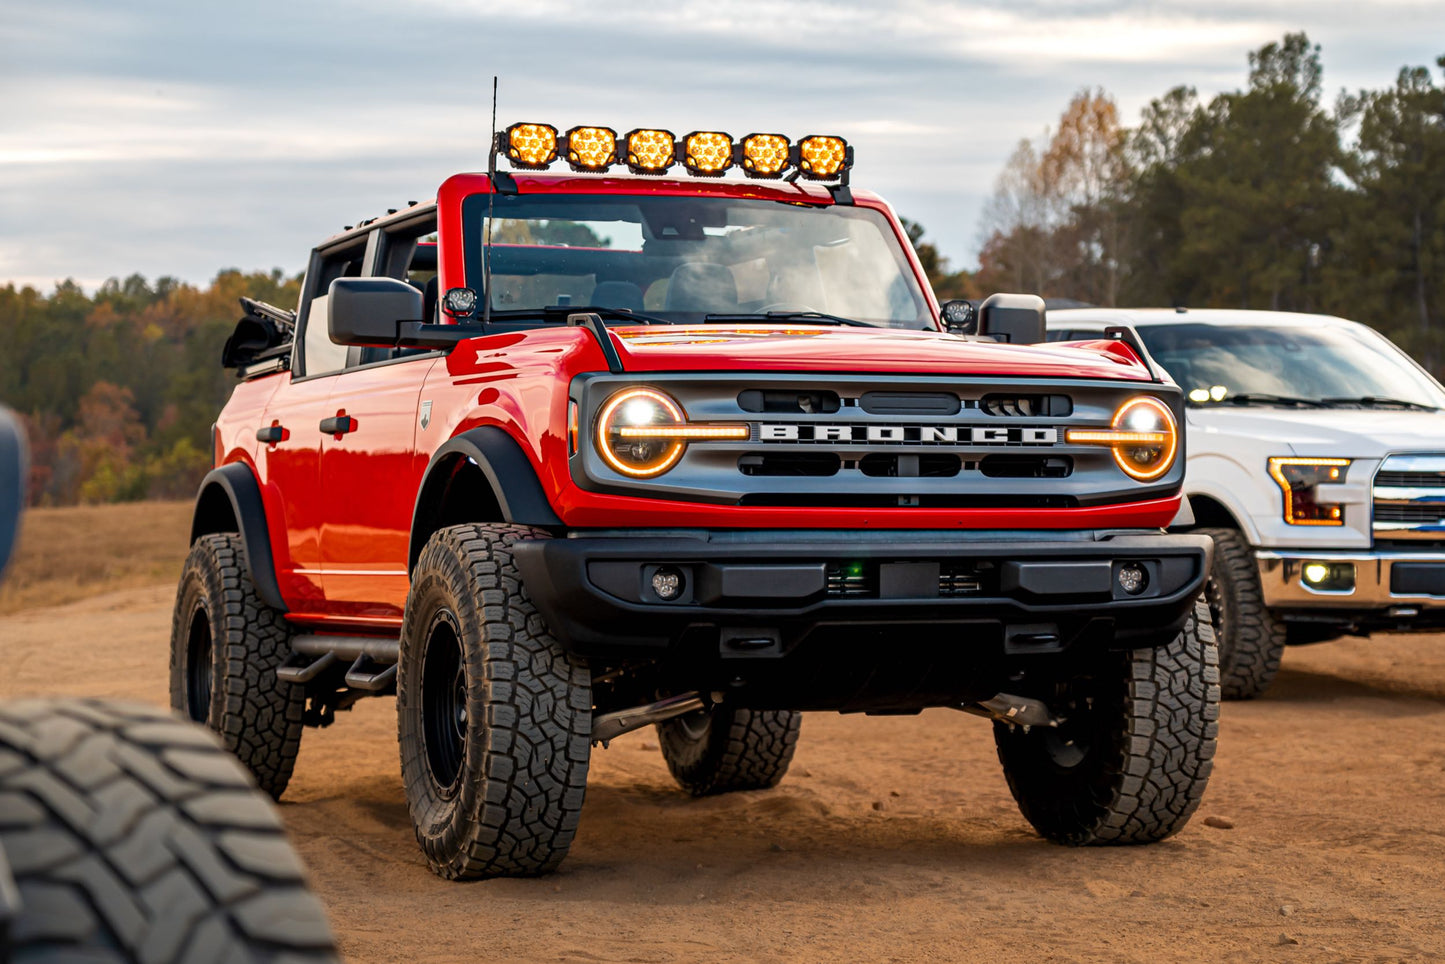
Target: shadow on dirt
1299, 686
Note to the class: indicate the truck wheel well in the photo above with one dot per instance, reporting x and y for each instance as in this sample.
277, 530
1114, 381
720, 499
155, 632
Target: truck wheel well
1211, 513
214, 513
456, 491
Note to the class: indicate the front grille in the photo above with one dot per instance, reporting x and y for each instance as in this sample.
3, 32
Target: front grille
1409, 498
849, 579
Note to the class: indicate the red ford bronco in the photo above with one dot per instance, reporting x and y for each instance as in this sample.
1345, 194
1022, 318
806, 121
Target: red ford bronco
560, 456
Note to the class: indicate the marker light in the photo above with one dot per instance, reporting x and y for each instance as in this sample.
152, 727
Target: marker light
651, 151
765, 155
707, 153
1298, 479
642, 432
1143, 435
532, 145
591, 148
820, 156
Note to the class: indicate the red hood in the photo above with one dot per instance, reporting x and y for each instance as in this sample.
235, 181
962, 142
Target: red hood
815, 348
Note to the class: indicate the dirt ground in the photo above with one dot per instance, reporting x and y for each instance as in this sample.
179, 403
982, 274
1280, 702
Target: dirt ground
891, 840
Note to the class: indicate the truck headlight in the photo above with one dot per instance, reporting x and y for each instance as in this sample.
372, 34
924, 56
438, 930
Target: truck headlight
642, 433
1143, 435
1298, 480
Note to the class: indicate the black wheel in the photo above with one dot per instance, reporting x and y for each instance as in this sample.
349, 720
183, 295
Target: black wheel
1130, 761
1251, 639
133, 836
225, 647
493, 716
719, 750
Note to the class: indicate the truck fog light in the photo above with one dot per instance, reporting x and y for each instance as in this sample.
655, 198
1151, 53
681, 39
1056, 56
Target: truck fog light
1329, 576
1133, 578
667, 583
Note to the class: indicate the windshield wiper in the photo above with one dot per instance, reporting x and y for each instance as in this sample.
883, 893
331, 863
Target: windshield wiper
560, 313
1264, 398
1381, 401
817, 317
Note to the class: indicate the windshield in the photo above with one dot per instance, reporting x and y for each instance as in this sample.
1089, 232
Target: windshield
1337, 364
684, 258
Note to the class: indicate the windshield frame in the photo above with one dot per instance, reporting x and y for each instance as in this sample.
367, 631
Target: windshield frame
1425, 390
473, 211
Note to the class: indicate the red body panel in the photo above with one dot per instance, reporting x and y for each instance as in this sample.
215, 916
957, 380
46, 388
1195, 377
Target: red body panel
340, 508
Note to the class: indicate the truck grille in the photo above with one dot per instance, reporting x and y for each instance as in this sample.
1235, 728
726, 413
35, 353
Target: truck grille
1409, 498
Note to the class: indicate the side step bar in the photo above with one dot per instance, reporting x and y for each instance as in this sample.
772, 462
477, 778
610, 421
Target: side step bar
609, 726
373, 660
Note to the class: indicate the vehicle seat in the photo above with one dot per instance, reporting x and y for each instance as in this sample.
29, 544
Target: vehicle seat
617, 294
702, 286
429, 300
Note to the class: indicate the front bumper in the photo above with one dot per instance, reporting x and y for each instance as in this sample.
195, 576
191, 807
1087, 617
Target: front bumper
759, 594
1388, 584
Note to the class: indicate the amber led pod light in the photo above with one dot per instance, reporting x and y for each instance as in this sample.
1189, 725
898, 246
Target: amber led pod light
591, 148
531, 145
651, 151
765, 155
707, 153
642, 433
821, 156
1143, 435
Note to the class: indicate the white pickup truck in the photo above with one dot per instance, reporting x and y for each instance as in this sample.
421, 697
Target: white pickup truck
1316, 460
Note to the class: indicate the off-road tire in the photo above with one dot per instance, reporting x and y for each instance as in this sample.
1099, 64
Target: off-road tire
1141, 754
134, 836
1251, 639
722, 749
258, 716
523, 730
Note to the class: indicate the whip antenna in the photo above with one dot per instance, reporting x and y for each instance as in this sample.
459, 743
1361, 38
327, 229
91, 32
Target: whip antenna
491, 203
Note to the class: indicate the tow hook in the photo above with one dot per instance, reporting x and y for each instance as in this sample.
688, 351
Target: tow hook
1022, 711
609, 726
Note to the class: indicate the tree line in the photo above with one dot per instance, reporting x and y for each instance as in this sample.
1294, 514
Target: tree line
1261, 197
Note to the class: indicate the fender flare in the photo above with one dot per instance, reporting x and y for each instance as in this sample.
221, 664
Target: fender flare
509, 472
237, 482
13, 476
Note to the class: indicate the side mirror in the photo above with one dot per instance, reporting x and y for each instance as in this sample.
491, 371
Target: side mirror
368, 311
1017, 319
959, 317
12, 483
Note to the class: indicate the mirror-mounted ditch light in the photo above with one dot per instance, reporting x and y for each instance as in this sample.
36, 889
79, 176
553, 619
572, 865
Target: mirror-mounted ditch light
459, 302
649, 150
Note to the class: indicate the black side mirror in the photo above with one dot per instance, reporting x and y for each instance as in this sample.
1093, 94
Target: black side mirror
12, 482
959, 317
1017, 319
368, 311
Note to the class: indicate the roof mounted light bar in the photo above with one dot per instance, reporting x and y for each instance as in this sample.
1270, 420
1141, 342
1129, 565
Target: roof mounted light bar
817, 157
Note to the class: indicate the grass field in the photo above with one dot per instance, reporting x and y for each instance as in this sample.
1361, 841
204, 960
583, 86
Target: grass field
71, 553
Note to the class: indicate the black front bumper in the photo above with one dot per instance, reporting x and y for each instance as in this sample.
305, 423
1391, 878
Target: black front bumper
751, 595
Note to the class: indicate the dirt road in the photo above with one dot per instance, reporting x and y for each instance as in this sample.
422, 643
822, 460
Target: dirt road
891, 839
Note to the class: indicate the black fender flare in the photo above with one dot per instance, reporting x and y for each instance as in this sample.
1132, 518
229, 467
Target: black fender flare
237, 484
520, 496
13, 476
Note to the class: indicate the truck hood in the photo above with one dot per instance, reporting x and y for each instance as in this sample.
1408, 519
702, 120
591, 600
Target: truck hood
1336, 432
815, 348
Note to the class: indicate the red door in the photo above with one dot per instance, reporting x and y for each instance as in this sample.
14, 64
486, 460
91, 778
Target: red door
369, 480
290, 469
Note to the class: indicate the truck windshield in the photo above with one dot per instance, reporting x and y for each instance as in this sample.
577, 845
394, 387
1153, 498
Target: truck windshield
684, 258
1344, 365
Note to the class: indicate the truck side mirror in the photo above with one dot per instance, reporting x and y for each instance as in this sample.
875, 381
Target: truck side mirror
1016, 319
368, 311
12, 482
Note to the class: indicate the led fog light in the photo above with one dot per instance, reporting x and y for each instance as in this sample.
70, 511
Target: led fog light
1329, 576
667, 583
1133, 578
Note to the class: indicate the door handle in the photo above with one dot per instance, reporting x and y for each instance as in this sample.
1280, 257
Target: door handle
339, 425
272, 434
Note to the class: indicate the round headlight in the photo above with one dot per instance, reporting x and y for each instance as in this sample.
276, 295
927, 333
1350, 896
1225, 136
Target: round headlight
1146, 438
633, 436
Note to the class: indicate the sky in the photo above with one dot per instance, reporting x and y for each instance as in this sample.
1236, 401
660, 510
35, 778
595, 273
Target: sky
181, 137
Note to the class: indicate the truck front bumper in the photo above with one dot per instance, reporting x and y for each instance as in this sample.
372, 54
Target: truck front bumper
1388, 585
759, 594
